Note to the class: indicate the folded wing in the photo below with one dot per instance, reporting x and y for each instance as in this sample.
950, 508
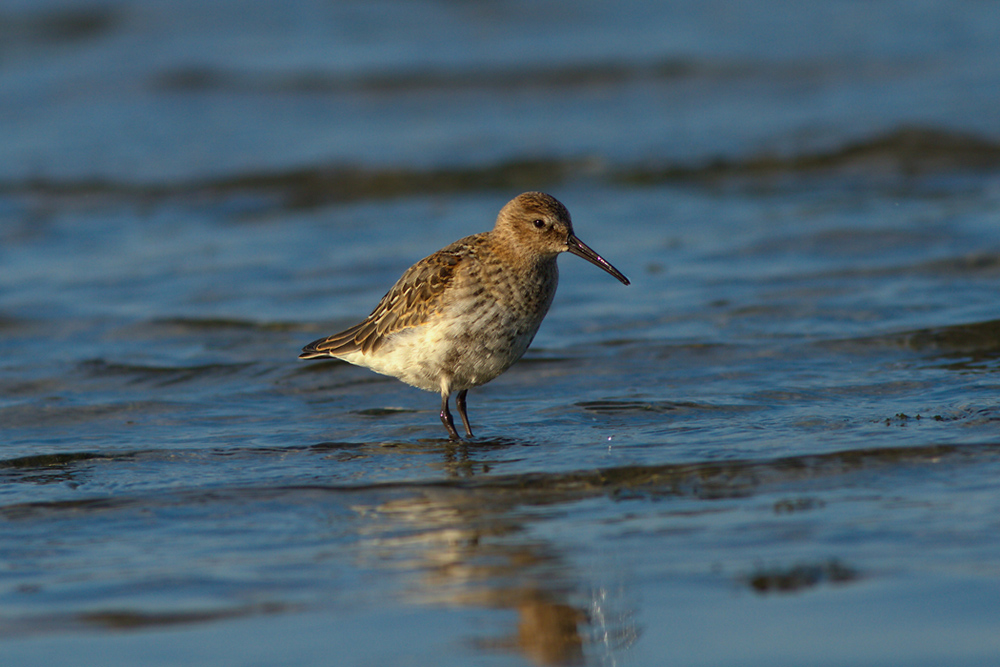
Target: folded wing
415, 297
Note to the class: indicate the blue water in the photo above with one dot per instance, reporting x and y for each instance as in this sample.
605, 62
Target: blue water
778, 446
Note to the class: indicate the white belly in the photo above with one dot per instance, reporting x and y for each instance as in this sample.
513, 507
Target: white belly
454, 352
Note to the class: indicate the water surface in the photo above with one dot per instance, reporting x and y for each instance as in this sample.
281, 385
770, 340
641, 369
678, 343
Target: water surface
779, 446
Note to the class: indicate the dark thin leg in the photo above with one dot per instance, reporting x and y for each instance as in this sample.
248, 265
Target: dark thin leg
446, 419
460, 404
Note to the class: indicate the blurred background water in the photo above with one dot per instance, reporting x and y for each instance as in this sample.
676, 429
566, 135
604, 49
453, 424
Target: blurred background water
779, 446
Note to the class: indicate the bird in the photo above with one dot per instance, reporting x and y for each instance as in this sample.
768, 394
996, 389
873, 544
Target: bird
462, 316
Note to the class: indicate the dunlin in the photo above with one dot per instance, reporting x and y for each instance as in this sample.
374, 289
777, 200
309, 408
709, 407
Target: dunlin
460, 317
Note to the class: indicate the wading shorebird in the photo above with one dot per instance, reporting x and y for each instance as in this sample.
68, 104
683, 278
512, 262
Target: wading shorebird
462, 316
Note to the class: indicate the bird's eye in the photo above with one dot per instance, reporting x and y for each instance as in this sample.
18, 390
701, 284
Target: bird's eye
539, 224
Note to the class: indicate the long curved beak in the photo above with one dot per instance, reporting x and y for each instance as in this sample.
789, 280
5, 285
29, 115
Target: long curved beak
580, 249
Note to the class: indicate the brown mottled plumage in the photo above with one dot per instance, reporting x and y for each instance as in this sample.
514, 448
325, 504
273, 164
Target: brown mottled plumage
460, 317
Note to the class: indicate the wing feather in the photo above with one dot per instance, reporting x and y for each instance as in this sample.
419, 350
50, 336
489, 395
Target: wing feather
416, 297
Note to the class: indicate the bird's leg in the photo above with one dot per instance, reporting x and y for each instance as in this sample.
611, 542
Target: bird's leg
460, 404
446, 419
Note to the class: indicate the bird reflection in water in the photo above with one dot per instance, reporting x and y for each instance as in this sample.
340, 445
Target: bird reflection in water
470, 547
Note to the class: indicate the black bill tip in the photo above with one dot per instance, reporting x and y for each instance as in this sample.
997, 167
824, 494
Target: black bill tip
581, 249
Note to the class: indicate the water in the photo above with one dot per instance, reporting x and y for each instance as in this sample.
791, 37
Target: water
779, 446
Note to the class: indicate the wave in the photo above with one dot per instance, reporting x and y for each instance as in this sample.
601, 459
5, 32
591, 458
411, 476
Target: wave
192, 324
902, 153
202, 78
972, 346
41, 30
311, 187
701, 479
161, 375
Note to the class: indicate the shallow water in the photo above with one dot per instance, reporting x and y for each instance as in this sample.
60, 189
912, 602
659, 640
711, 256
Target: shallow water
779, 446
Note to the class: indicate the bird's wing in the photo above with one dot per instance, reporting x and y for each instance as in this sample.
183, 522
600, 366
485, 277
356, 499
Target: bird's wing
415, 297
